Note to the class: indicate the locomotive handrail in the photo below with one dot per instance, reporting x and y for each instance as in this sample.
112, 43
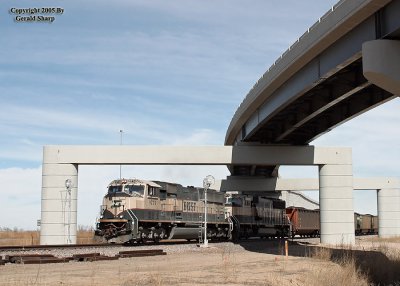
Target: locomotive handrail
134, 220
230, 224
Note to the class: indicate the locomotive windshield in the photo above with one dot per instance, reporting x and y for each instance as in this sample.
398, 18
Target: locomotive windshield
236, 202
114, 189
129, 189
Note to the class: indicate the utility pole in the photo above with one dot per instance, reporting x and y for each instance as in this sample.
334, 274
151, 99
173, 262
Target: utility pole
207, 182
120, 143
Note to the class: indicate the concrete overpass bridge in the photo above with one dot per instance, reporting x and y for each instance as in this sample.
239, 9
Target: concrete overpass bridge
347, 63
344, 65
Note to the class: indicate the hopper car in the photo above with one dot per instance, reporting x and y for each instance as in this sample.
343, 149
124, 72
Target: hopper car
306, 222
365, 224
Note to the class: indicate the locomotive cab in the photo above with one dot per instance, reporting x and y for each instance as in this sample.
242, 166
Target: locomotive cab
117, 222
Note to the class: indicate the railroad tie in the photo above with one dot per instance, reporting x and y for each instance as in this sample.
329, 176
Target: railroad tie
92, 257
26, 257
140, 253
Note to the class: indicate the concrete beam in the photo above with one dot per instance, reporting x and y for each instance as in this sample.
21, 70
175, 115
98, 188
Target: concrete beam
381, 64
249, 184
196, 155
376, 183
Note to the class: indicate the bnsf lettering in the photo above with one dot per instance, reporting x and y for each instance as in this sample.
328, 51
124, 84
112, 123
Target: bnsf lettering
189, 206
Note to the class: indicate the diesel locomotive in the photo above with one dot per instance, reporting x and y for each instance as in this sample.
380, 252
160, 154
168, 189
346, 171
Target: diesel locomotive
139, 210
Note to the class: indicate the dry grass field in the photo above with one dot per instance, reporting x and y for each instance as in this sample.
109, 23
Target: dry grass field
10, 237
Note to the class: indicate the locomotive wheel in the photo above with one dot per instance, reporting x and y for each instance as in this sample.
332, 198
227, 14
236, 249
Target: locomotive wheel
155, 237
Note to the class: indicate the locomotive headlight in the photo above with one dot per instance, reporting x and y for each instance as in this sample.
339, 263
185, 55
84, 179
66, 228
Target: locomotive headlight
121, 216
101, 216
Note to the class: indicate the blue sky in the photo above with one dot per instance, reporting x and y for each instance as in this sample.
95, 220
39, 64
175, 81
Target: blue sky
167, 73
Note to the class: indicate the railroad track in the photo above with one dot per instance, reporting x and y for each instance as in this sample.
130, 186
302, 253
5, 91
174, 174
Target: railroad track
28, 254
32, 254
98, 245
83, 257
44, 247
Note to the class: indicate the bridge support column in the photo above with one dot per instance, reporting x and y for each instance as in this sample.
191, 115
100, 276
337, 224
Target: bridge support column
389, 212
336, 204
59, 204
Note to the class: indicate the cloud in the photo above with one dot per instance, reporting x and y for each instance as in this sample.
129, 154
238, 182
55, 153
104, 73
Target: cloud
20, 192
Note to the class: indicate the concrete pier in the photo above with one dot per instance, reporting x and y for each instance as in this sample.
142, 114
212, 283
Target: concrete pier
389, 212
336, 204
59, 205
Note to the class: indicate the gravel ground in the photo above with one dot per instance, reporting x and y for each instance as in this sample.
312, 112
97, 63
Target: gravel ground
253, 262
114, 250
362, 243
249, 263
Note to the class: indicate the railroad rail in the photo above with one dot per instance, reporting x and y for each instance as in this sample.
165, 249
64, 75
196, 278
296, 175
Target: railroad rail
56, 246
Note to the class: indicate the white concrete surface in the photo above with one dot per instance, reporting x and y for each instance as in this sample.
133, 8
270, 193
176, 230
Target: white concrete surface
389, 212
381, 64
336, 204
59, 207
196, 155
255, 184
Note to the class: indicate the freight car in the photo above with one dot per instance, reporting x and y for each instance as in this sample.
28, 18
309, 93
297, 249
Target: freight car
304, 222
365, 224
138, 210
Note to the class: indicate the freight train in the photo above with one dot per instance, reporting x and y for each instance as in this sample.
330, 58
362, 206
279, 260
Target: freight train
305, 222
139, 210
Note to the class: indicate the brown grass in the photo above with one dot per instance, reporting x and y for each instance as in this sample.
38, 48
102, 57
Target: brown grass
12, 237
85, 235
357, 267
384, 240
346, 272
228, 266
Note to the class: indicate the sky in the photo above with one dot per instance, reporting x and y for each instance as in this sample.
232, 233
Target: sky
166, 73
